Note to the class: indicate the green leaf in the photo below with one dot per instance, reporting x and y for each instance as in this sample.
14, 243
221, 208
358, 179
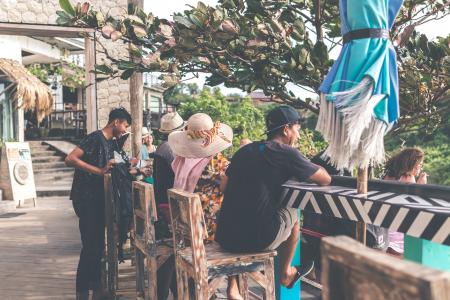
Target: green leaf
127, 74
125, 64
67, 7
320, 50
103, 69
195, 20
183, 21
299, 26
63, 18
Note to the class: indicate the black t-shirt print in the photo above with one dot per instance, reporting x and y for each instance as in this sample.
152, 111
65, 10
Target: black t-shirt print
248, 219
97, 152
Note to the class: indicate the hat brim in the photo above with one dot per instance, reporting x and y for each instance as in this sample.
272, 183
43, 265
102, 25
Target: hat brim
174, 129
185, 146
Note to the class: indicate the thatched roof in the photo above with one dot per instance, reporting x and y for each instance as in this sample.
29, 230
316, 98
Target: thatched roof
29, 93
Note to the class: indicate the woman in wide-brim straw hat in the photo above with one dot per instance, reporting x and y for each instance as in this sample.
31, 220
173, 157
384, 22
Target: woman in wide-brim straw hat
202, 138
199, 167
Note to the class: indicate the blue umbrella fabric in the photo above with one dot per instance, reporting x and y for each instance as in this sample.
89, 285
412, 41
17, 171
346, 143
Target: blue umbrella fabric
359, 96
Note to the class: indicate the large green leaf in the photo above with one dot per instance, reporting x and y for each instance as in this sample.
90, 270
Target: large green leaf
124, 65
127, 74
67, 7
63, 18
183, 21
103, 69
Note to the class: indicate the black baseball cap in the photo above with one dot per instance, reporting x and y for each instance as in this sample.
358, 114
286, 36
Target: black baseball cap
281, 116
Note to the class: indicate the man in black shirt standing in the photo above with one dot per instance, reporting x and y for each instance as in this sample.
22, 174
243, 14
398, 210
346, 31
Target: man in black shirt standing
251, 217
92, 159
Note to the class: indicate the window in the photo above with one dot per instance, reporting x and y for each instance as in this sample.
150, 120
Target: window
155, 104
145, 101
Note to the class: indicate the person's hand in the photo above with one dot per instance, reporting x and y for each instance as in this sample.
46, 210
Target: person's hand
422, 178
109, 165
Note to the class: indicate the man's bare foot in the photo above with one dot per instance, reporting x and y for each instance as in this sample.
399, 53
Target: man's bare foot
234, 294
286, 278
233, 289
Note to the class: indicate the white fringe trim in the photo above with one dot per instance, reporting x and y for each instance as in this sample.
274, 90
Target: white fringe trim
355, 137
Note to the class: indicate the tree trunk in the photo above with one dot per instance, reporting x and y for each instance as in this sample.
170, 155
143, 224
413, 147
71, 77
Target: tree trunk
136, 101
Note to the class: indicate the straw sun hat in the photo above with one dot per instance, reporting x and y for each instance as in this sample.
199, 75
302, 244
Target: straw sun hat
170, 122
202, 138
145, 132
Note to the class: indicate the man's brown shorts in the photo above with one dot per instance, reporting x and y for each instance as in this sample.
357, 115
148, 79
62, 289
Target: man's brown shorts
288, 218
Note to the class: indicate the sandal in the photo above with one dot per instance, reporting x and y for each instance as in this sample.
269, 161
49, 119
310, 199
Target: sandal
302, 270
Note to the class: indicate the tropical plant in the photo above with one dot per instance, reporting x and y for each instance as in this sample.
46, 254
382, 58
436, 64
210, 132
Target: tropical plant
254, 44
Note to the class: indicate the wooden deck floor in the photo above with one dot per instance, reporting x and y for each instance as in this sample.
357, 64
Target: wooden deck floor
39, 254
39, 251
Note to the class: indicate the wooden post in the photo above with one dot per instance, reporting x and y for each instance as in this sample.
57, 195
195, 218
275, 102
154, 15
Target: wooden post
91, 99
361, 188
136, 101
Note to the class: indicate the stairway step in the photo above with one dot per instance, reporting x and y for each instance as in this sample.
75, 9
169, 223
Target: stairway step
43, 153
40, 147
46, 182
52, 170
49, 165
47, 159
52, 191
66, 175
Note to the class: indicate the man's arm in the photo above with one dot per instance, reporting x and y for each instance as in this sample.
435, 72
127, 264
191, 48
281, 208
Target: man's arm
321, 177
74, 160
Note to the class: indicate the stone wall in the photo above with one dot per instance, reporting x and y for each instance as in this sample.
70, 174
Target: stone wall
110, 93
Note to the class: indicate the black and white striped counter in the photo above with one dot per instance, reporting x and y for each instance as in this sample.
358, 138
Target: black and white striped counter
416, 210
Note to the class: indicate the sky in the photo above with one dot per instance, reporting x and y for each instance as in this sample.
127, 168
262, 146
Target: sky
165, 9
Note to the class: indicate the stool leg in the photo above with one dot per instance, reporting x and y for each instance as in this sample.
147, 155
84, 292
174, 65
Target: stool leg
140, 274
182, 286
269, 289
243, 286
152, 277
201, 290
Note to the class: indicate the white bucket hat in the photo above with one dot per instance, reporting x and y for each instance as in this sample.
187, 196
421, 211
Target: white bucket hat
202, 138
145, 132
170, 122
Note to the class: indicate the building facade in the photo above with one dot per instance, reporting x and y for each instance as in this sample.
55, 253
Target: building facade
109, 93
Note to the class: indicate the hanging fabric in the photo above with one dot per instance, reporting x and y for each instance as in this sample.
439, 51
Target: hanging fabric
359, 96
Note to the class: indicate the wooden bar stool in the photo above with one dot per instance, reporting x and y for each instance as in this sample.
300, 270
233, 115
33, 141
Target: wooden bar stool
150, 253
200, 267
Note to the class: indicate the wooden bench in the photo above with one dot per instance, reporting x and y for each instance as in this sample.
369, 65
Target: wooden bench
150, 253
200, 267
351, 271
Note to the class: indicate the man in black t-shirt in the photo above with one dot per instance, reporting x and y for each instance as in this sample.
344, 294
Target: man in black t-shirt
92, 159
251, 217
